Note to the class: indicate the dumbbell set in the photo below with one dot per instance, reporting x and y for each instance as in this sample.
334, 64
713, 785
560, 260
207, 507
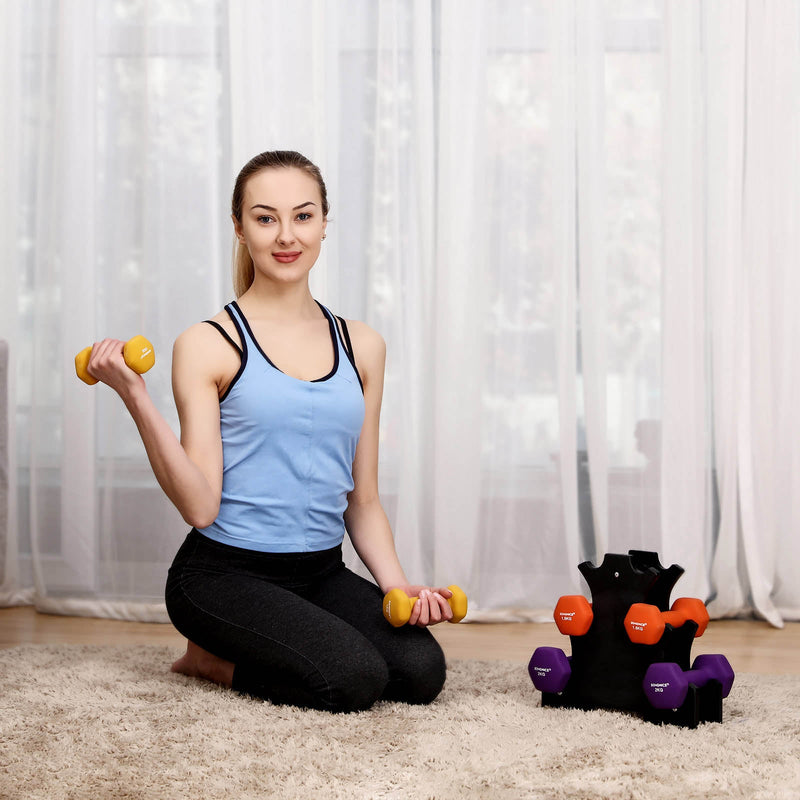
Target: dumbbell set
630, 651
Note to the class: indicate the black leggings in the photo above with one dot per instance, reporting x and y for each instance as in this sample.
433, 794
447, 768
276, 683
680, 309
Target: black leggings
300, 628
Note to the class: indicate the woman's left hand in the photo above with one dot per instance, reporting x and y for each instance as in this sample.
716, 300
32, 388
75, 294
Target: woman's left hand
431, 607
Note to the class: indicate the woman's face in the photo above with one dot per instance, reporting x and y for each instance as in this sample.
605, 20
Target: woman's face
282, 223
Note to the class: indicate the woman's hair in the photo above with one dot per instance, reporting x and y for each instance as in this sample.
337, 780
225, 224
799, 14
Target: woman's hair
243, 269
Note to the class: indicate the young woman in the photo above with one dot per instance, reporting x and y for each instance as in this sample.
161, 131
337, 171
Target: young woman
279, 405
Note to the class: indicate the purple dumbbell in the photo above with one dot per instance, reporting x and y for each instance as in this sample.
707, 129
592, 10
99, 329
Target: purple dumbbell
666, 685
549, 669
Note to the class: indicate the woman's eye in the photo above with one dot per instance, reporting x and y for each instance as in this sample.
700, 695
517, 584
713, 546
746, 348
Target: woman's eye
264, 219
303, 216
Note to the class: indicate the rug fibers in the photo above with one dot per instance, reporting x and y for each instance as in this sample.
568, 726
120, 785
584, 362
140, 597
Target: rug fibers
113, 722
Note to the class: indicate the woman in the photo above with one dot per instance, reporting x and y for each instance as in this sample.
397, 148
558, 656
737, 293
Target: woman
279, 406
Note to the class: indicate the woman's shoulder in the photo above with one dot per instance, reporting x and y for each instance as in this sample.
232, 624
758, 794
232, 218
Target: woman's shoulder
203, 337
366, 340
197, 333
369, 351
222, 317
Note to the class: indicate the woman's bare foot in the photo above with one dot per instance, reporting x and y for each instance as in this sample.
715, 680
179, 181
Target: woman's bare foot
199, 663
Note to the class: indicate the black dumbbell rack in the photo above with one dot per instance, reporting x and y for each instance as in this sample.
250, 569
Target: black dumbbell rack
608, 668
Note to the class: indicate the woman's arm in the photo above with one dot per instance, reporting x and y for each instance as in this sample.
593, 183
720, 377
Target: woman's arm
190, 470
365, 518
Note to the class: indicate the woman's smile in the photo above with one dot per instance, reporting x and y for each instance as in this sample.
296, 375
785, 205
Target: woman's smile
287, 257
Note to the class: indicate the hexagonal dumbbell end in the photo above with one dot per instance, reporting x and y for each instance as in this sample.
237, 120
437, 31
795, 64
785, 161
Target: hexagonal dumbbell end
549, 669
645, 623
573, 615
666, 685
139, 354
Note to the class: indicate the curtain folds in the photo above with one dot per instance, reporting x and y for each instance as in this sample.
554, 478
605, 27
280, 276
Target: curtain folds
684, 485
15, 588
574, 223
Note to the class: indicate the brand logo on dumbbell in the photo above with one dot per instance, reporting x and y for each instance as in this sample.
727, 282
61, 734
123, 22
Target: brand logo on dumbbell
573, 615
549, 669
637, 626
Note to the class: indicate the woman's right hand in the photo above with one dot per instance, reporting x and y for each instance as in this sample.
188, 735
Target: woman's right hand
107, 364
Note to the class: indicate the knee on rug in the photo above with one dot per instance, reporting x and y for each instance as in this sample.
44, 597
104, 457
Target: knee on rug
421, 678
358, 690
352, 679
347, 685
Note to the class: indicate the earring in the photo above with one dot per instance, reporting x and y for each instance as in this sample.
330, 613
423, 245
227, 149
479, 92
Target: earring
324, 236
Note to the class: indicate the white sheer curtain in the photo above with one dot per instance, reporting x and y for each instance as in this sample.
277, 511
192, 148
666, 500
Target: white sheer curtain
573, 222
117, 226
753, 243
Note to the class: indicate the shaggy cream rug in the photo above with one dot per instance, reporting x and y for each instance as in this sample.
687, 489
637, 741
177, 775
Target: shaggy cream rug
113, 722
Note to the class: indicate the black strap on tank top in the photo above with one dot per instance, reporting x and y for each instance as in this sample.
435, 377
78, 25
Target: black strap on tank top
225, 334
348, 348
348, 344
242, 351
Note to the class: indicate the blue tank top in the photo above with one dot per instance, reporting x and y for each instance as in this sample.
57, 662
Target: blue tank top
288, 447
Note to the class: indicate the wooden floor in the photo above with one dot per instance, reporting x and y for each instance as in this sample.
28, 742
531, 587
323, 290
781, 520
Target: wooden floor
750, 646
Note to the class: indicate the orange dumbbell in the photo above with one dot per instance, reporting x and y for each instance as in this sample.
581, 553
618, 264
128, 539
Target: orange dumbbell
573, 614
645, 623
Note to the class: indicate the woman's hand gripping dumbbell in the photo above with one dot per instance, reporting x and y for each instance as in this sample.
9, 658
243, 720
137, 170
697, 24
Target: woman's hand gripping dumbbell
138, 354
397, 605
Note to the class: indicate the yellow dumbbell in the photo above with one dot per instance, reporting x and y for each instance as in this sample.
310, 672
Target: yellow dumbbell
138, 353
397, 606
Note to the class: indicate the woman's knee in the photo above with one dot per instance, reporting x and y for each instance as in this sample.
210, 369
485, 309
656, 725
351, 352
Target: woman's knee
350, 683
356, 689
430, 681
420, 679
